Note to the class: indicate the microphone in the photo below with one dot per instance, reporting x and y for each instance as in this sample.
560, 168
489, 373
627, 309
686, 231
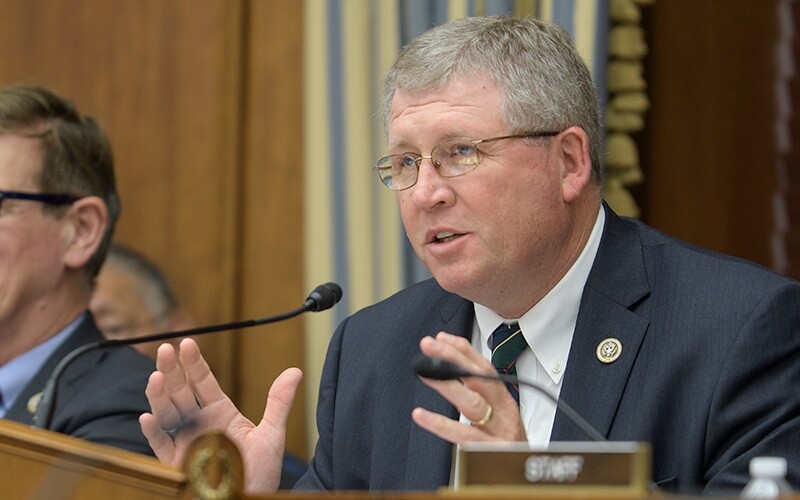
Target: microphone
321, 298
438, 369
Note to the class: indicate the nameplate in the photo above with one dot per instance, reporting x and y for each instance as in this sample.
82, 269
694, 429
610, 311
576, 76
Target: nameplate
619, 468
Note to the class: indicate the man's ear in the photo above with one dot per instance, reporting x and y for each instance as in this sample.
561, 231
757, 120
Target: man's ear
576, 163
87, 219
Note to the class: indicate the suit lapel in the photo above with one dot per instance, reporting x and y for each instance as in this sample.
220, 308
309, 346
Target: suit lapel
85, 332
426, 452
616, 283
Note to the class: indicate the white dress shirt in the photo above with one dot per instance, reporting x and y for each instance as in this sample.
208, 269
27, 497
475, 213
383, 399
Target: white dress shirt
17, 373
548, 328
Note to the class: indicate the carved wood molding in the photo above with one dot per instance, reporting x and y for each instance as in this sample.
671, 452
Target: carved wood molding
627, 104
786, 240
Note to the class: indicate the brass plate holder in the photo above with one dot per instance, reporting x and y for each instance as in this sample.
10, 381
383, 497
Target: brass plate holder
572, 468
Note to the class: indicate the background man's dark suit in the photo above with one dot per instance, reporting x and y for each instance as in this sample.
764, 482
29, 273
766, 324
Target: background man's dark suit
708, 374
100, 396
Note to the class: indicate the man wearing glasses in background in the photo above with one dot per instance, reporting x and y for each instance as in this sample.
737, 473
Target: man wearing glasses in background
494, 137
58, 207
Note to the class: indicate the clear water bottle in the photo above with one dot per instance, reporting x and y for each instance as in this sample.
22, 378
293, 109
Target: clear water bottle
767, 479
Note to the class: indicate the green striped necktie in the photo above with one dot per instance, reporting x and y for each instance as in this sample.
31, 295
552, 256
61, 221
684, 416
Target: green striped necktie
508, 344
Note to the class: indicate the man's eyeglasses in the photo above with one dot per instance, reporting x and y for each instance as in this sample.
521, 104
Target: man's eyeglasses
451, 158
47, 198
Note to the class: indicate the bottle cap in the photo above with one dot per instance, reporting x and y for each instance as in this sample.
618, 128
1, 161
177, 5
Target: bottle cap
768, 466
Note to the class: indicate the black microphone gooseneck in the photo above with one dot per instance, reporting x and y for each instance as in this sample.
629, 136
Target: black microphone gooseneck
323, 297
438, 369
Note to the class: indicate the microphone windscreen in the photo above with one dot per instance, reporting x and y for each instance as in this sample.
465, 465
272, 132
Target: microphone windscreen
436, 369
324, 297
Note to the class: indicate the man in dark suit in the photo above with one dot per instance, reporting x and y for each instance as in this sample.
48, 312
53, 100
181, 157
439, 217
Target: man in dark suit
493, 132
58, 207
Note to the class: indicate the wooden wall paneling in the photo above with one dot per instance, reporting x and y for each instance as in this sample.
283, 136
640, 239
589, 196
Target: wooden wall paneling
163, 79
708, 153
206, 240
272, 193
196, 233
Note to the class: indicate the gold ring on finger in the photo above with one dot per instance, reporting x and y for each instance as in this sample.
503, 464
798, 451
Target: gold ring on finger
486, 417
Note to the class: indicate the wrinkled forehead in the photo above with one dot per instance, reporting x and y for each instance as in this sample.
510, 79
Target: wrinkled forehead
21, 159
462, 103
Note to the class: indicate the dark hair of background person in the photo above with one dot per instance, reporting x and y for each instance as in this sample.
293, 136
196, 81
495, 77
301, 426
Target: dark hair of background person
158, 292
133, 298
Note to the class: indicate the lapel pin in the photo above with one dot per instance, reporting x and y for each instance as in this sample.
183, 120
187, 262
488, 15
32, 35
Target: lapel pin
33, 402
608, 350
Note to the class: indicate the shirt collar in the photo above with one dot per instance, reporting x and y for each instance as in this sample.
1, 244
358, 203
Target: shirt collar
549, 325
17, 373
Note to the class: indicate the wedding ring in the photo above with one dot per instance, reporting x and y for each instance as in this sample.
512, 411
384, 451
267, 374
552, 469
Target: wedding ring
485, 419
172, 432
183, 425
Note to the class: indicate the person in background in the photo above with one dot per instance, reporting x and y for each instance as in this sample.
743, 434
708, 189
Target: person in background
494, 157
134, 298
58, 208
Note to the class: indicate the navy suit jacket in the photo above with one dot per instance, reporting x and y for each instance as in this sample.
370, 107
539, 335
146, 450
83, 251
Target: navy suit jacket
708, 374
100, 395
